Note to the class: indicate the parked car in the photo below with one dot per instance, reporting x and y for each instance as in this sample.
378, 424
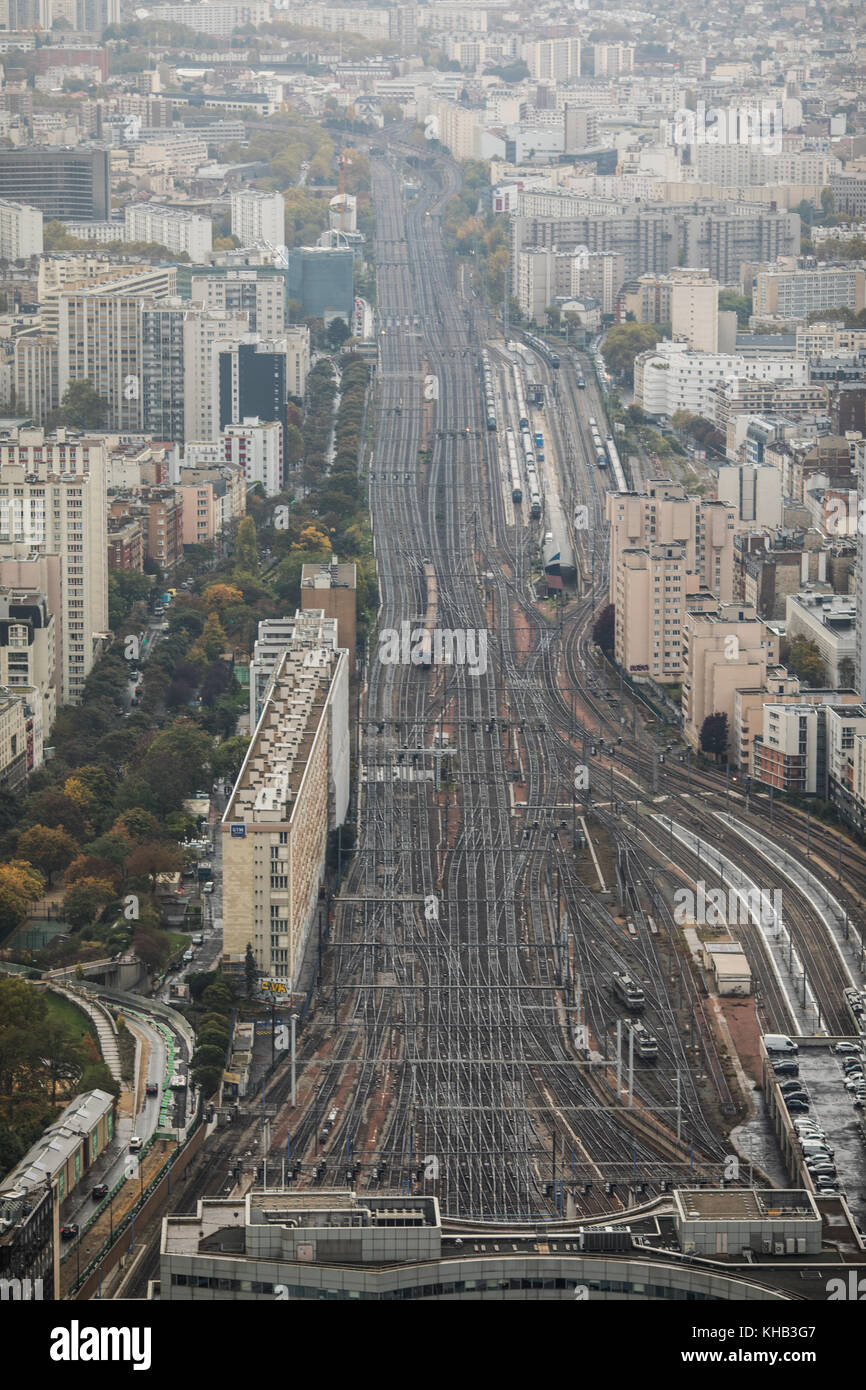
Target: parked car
69, 1232
98, 1192
795, 1106
151, 1089
135, 1143
786, 1068
846, 1049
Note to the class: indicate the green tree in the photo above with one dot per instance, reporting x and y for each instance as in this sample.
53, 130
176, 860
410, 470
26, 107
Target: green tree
246, 547
714, 735
621, 345
337, 332
603, 628
293, 446
251, 971
82, 407
50, 848
86, 899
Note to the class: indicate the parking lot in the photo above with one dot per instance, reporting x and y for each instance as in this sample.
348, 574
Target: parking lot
832, 1107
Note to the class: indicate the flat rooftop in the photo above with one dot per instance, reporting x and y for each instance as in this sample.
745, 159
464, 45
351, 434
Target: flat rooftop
744, 1204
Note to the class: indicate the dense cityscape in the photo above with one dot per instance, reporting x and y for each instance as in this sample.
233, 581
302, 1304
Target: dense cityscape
432, 661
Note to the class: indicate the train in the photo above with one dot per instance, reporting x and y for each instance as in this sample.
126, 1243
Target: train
645, 1044
431, 615
616, 465
513, 466
855, 1001
628, 992
579, 379
489, 393
544, 352
522, 416
534, 487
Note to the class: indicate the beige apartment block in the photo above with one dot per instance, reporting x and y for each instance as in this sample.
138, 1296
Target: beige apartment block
649, 603
284, 802
724, 651
666, 515
695, 309
333, 588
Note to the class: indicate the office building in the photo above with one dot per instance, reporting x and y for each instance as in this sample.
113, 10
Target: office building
321, 280
64, 184
828, 620
258, 217
291, 791
251, 377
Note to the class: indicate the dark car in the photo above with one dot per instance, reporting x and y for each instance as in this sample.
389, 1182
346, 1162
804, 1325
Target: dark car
100, 1191
69, 1232
151, 1089
786, 1068
788, 1087
796, 1106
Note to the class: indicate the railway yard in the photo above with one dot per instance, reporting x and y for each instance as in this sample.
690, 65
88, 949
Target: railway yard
524, 825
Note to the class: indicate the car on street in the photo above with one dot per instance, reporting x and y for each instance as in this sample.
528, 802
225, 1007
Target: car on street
151, 1089
135, 1143
100, 1191
69, 1232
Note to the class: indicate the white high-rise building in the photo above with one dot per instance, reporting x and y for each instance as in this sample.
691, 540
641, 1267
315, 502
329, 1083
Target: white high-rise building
695, 309
554, 59
203, 332
258, 217
54, 538
257, 449
176, 230
20, 231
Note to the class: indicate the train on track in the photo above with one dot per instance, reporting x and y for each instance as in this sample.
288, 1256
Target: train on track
431, 615
645, 1045
616, 465
544, 352
489, 394
519, 398
628, 992
513, 466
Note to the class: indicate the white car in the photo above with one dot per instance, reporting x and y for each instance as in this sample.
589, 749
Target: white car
135, 1143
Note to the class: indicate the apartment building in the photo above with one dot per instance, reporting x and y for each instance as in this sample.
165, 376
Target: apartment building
828, 620
53, 539
755, 491
724, 651
28, 654
309, 627
99, 339
332, 588
176, 230
255, 447
291, 791
670, 377
212, 495
459, 129
556, 60
35, 374
256, 291
785, 754
13, 743
814, 340
217, 19
125, 543
666, 515
163, 368
612, 59
258, 217
849, 193
204, 331
20, 230
160, 513
796, 293
598, 275
695, 309
648, 591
